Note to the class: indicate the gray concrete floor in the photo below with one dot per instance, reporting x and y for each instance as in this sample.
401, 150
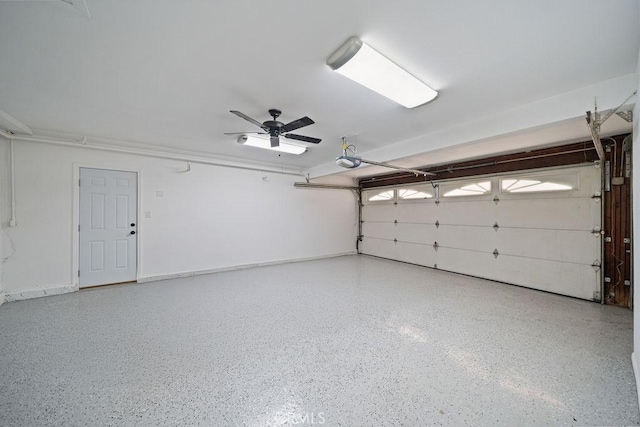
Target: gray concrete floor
345, 341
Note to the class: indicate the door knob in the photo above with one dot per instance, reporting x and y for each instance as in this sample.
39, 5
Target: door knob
133, 224
133, 232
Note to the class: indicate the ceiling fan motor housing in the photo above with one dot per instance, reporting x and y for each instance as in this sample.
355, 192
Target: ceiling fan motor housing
275, 128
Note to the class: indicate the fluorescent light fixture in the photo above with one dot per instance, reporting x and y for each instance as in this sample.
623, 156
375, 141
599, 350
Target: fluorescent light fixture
362, 64
253, 141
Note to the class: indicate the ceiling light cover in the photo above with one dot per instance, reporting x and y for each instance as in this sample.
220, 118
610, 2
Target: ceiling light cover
284, 147
362, 64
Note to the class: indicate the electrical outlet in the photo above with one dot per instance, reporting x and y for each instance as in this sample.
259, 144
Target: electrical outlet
159, 193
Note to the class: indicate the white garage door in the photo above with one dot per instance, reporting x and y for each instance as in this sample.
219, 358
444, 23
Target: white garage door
538, 229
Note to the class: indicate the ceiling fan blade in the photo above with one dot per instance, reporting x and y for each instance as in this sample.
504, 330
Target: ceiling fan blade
244, 133
303, 138
275, 141
247, 118
297, 124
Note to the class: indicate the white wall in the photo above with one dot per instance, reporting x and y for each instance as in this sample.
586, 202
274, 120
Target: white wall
209, 218
636, 226
5, 246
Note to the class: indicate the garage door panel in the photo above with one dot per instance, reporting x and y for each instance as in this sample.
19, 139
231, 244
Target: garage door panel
419, 212
416, 254
379, 212
379, 230
458, 212
544, 213
569, 246
575, 280
379, 247
416, 233
469, 238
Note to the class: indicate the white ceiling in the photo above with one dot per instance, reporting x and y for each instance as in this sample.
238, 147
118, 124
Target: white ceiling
165, 74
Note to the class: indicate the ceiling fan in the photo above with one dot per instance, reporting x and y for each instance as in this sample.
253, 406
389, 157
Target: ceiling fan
274, 128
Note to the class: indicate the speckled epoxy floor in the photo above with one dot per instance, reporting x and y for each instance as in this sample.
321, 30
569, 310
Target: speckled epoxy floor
345, 341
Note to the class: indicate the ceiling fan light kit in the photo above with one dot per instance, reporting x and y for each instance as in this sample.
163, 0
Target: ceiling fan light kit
361, 63
283, 147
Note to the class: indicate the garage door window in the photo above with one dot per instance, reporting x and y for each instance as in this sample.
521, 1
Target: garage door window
380, 196
414, 193
539, 184
468, 189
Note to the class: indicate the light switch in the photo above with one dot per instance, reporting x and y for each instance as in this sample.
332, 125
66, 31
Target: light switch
159, 193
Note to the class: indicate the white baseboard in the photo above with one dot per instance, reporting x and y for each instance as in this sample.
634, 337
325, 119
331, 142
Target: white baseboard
37, 293
10, 296
634, 363
237, 267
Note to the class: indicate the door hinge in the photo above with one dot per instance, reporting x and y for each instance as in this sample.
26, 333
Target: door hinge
78, 273
79, 182
78, 227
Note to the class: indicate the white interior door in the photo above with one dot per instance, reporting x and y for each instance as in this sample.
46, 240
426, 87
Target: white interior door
108, 226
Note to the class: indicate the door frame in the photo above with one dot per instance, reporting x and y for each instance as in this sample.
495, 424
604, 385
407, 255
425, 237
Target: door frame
75, 235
